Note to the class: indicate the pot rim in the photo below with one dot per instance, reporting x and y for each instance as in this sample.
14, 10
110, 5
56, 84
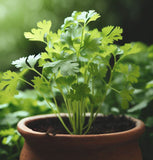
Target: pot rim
137, 131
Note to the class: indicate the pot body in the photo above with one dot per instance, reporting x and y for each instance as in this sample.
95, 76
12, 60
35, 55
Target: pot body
112, 146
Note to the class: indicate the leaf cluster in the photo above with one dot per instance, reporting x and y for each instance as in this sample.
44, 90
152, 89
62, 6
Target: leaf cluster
78, 63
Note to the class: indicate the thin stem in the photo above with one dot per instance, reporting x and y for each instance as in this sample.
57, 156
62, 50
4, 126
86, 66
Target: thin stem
71, 115
58, 115
90, 120
86, 68
27, 82
117, 91
41, 75
67, 105
77, 117
64, 124
81, 43
82, 35
92, 86
58, 112
81, 116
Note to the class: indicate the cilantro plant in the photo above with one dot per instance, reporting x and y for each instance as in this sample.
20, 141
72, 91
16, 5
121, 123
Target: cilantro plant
79, 64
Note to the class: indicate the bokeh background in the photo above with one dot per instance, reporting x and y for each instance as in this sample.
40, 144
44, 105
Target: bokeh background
18, 16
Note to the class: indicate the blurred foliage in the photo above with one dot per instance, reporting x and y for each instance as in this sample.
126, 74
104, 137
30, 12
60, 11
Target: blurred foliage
142, 103
25, 104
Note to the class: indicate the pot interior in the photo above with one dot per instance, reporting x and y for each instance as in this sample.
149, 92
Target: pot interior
101, 125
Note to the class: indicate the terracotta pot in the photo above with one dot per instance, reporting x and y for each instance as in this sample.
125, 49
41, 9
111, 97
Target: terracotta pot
112, 146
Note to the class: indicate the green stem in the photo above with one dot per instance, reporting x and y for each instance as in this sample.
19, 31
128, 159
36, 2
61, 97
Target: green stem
90, 120
82, 36
117, 91
92, 86
87, 78
58, 115
81, 116
67, 106
41, 75
71, 116
77, 118
27, 82
82, 39
60, 118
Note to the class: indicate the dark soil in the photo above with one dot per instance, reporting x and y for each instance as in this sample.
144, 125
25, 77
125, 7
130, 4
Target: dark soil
101, 125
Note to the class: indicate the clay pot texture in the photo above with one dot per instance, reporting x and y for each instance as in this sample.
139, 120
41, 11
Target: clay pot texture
113, 146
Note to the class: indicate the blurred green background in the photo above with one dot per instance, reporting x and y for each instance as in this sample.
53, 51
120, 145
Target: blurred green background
18, 16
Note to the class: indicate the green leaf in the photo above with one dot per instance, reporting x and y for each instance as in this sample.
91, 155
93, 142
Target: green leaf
95, 99
32, 60
111, 34
40, 33
44, 58
79, 91
27, 94
52, 39
71, 36
86, 17
9, 119
41, 85
65, 80
107, 50
131, 72
80, 17
21, 114
102, 71
13, 118
67, 66
7, 140
107, 30
115, 110
21, 63
125, 98
150, 50
58, 50
66, 38
93, 69
149, 84
26, 62
98, 71
122, 68
92, 42
131, 48
70, 21
6, 132
93, 16
75, 33
8, 85
139, 106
